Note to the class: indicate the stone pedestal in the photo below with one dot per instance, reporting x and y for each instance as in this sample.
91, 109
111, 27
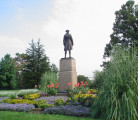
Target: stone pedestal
67, 73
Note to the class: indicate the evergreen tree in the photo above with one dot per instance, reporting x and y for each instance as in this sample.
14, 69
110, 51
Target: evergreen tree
8, 77
37, 64
125, 29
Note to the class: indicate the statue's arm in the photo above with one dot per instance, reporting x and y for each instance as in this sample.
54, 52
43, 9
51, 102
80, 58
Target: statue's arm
64, 40
71, 39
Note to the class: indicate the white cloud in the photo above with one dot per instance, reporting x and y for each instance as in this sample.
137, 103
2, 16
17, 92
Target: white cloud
10, 45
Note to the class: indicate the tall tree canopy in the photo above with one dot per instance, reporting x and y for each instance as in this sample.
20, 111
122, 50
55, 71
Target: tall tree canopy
8, 76
125, 28
37, 64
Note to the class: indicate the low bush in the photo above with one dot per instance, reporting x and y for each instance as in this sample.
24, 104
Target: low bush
46, 79
32, 96
22, 101
1, 98
52, 88
91, 91
41, 102
16, 107
69, 110
13, 96
79, 87
85, 99
44, 106
59, 102
51, 99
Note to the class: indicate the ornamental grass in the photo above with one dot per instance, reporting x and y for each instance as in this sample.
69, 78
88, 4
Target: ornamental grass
118, 98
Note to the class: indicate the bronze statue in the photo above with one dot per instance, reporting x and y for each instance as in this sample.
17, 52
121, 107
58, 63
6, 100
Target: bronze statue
68, 43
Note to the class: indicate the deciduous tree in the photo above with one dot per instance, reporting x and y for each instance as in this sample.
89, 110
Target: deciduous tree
125, 29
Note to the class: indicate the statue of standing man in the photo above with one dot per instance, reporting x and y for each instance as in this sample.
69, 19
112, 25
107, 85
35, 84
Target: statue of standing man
68, 43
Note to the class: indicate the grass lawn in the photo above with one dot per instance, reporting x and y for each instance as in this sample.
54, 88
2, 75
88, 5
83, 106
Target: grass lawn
8, 115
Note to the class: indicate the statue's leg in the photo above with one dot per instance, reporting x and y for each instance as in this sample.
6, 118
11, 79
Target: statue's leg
69, 53
65, 53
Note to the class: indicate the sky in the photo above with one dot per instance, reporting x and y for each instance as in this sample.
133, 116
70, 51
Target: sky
90, 22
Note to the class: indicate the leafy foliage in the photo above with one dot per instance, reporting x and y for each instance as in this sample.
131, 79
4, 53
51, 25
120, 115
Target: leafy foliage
118, 99
44, 106
17, 101
48, 78
97, 79
84, 79
31, 96
8, 76
54, 68
125, 29
38, 63
59, 102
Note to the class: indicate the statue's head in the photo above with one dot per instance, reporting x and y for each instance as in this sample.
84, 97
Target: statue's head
67, 31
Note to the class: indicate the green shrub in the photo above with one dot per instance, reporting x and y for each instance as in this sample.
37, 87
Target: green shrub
44, 106
118, 99
39, 102
83, 78
16, 101
13, 96
59, 102
97, 80
81, 87
32, 96
46, 79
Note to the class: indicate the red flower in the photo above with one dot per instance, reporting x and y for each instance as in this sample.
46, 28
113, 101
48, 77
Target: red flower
48, 86
86, 83
76, 85
57, 83
69, 84
82, 83
52, 85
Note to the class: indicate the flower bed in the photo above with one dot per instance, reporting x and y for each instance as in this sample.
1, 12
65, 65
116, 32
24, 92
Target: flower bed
16, 101
77, 104
1, 98
69, 110
51, 99
32, 96
16, 107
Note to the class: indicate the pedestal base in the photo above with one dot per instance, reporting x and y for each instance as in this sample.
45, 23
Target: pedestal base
67, 74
